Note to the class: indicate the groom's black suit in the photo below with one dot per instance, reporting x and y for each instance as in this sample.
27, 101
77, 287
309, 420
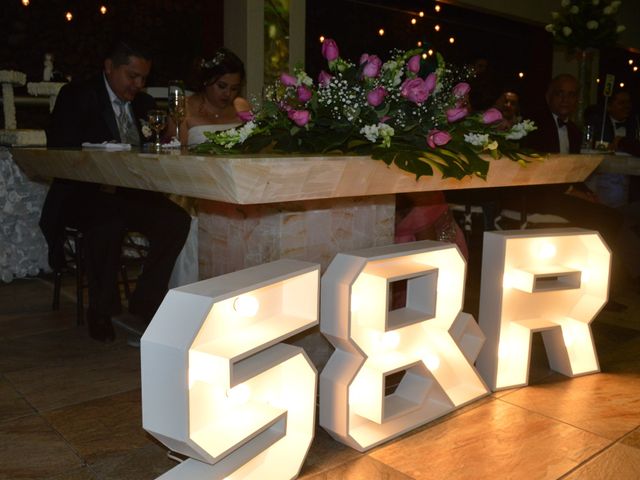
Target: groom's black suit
83, 113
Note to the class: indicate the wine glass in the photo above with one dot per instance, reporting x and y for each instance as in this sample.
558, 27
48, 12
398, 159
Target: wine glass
157, 122
176, 103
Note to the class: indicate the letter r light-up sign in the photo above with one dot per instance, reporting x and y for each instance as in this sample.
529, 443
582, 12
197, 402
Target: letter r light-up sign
549, 281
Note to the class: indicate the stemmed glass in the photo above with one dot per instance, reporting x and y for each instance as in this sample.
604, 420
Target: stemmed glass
157, 122
176, 103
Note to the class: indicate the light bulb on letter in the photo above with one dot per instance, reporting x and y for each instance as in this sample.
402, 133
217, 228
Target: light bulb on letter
246, 305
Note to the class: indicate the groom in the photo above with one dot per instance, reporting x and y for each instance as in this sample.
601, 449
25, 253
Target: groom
108, 108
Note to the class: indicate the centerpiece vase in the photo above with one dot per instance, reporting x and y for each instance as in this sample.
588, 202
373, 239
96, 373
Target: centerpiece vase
585, 58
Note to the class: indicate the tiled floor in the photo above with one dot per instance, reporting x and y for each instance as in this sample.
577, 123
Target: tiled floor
70, 410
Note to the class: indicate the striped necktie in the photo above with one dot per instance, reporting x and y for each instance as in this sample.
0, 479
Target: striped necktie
128, 131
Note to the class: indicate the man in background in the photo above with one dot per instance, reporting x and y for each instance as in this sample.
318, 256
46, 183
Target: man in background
108, 108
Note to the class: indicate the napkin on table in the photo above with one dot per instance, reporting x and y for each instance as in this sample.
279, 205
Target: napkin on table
107, 146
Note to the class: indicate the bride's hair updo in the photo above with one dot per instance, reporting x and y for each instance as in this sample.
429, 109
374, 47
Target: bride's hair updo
210, 70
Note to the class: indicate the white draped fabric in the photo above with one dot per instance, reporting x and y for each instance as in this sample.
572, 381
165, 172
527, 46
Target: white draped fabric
23, 250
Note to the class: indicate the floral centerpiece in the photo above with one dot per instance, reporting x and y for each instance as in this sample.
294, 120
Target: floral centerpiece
581, 24
401, 111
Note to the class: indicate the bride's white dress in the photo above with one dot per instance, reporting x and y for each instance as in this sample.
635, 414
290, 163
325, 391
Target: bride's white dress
196, 133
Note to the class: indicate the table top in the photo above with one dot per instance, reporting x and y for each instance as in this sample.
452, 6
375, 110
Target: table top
620, 163
259, 179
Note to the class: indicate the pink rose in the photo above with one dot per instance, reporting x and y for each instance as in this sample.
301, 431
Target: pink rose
457, 113
492, 115
437, 137
324, 78
372, 66
430, 82
246, 116
288, 80
304, 94
384, 118
415, 90
299, 117
462, 89
376, 96
330, 50
413, 65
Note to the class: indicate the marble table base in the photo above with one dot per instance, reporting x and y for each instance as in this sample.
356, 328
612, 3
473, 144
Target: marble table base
232, 237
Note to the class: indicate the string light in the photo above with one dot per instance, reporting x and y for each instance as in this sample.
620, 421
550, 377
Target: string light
25, 3
421, 14
413, 21
452, 40
621, 84
321, 38
437, 8
521, 74
430, 52
631, 61
424, 56
419, 44
381, 32
635, 69
69, 16
437, 28
103, 10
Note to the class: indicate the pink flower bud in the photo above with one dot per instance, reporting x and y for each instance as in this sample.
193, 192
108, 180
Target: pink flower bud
415, 90
299, 117
437, 138
324, 78
304, 94
492, 115
288, 80
246, 116
330, 50
457, 113
376, 96
430, 82
462, 89
372, 66
413, 65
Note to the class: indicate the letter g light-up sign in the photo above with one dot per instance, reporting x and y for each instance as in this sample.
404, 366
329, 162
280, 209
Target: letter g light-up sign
427, 339
549, 281
218, 386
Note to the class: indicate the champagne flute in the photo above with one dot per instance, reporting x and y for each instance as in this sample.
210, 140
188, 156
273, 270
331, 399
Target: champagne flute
176, 102
157, 122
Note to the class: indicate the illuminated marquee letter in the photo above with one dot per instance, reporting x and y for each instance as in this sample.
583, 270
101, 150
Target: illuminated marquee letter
549, 281
427, 340
217, 384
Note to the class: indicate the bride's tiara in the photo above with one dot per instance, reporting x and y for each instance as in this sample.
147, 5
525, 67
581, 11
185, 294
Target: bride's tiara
214, 62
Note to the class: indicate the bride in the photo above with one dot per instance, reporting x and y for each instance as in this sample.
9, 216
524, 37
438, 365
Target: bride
216, 103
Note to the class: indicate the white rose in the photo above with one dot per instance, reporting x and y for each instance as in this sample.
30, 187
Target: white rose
566, 31
592, 25
607, 10
574, 9
620, 28
550, 28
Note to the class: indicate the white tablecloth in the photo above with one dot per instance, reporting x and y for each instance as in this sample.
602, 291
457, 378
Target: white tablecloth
23, 250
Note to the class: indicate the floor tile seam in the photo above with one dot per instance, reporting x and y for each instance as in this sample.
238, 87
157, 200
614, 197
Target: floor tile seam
330, 467
81, 356
83, 460
587, 460
21, 396
558, 420
74, 405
